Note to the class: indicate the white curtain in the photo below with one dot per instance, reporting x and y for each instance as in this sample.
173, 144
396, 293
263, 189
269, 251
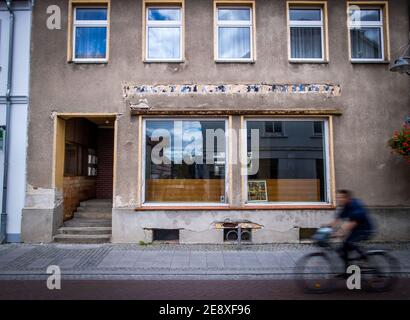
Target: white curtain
234, 43
306, 42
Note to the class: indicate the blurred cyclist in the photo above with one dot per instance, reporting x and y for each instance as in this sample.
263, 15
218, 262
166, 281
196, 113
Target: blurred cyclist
354, 224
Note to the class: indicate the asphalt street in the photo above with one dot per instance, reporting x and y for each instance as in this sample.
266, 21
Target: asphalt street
185, 290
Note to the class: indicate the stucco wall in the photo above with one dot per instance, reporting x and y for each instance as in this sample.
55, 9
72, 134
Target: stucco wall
374, 101
277, 226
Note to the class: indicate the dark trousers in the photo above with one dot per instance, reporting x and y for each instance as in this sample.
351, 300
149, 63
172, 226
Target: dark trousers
351, 244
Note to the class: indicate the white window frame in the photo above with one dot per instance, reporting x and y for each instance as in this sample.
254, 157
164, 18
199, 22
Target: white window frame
164, 24
369, 24
184, 204
307, 24
90, 24
234, 24
327, 163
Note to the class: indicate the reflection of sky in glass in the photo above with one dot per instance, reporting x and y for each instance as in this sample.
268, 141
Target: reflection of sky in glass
163, 43
234, 14
158, 14
305, 14
91, 14
365, 15
192, 133
90, 42
234, 42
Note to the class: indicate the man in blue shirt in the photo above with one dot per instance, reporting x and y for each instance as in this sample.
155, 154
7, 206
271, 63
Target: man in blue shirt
355, 224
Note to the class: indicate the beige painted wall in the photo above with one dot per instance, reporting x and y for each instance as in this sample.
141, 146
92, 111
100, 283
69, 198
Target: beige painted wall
374, 101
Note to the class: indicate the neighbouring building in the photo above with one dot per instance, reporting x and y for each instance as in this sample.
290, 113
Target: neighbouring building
286, 100
15, 30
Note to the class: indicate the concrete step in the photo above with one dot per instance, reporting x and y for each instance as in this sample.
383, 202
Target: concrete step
93, 215
79, 238
81, 222
85, 230
94, 209
99, 203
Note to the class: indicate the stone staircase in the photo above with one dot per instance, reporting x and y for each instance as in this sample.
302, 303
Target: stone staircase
91, 224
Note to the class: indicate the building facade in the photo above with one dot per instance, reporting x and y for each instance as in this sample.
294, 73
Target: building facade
14, 100
184, 113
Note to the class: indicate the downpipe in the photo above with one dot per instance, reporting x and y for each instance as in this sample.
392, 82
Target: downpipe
3, 226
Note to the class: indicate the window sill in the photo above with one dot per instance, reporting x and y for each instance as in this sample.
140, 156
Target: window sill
229, 208
235, 61
163, 61
309, 61
369, 62
182, 207
265, 206
88, 62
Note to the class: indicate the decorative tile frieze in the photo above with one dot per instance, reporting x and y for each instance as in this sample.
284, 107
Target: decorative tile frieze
130, 90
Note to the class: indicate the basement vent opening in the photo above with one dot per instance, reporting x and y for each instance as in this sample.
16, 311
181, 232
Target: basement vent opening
165, 234
306, 233
231, 235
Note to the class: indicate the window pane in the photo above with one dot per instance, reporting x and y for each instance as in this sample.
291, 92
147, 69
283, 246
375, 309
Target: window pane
70, 162
292, 167
305, 15
306, 42
163, 43
318, 128
179, 167
365, 15
366, 43
234, 43
243, 14
90, 43
158, 14
91, 14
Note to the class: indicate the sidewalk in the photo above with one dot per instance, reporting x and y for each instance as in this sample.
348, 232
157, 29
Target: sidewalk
115, 261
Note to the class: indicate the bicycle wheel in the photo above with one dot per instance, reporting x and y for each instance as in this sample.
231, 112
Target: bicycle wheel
315, 273
379, 272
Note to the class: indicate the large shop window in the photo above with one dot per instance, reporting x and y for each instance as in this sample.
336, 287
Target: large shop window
291, 166
185, 161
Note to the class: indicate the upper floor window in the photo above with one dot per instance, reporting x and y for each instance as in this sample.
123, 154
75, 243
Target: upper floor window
90, 34
307, 32
163, 33
234, 33
367, 32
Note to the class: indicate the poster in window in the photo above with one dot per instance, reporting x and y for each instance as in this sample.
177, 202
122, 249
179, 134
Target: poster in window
257, 191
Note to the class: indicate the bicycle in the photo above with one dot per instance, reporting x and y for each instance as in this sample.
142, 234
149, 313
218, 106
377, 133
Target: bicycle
317, 270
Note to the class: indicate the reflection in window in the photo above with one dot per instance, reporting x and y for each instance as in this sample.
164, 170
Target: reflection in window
234, 32
179, 167
366, 34
291, 169
90, 34
164, 33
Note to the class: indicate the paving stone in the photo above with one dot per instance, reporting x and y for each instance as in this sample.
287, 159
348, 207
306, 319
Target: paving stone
160, 260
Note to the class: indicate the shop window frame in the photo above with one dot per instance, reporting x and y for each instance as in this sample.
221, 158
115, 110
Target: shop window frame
145, 203
328, 163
